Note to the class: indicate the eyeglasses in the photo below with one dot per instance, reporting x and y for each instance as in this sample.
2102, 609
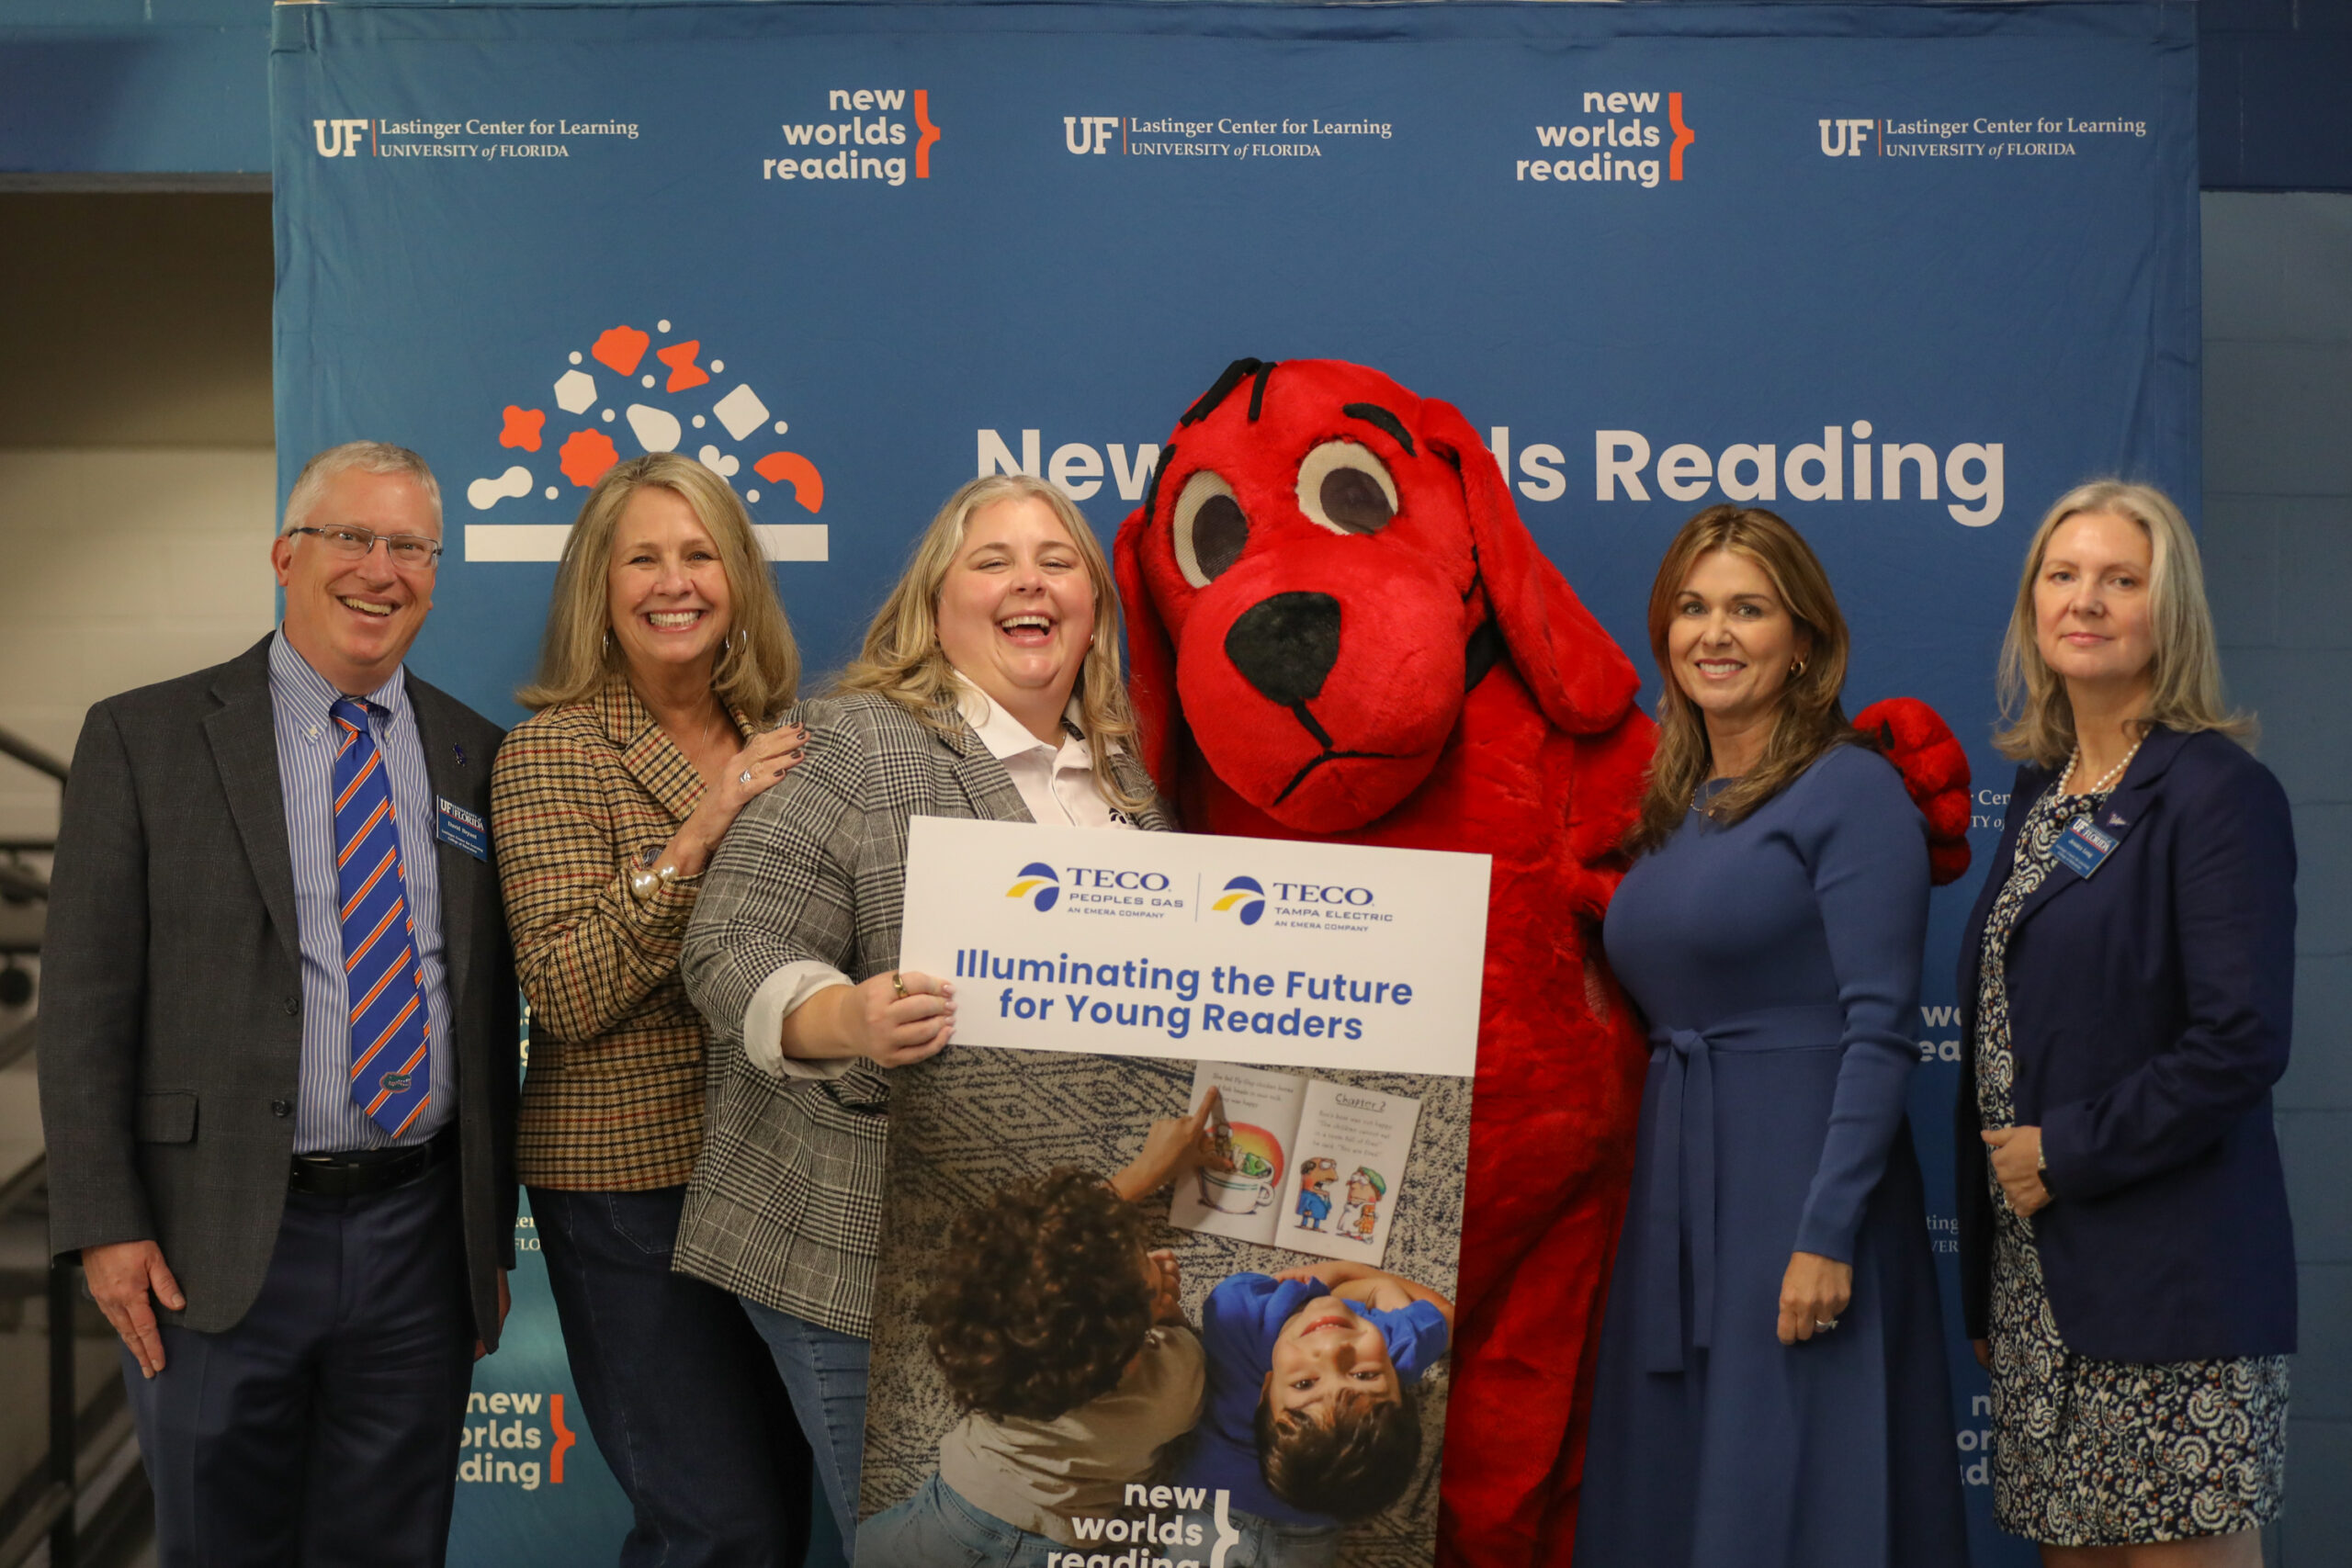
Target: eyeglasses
411, 550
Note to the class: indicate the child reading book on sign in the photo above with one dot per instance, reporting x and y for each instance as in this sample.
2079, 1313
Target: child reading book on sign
1311, 1417
1061, 1337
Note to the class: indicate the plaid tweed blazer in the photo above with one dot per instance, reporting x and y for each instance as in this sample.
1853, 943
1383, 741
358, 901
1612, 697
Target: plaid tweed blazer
785, 1205
613, 1099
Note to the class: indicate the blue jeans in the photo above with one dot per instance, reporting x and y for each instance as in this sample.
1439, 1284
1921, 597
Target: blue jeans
676, 1386
937, 1529
1265, 1544
824, 1370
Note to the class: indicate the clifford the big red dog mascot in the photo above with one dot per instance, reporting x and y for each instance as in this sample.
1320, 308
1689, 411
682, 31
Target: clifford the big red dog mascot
1338, 629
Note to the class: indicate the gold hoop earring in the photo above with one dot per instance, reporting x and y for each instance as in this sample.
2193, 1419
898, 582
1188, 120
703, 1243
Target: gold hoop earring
1797, 670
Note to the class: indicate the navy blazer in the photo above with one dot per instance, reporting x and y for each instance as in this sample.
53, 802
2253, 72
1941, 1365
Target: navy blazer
2150, 1007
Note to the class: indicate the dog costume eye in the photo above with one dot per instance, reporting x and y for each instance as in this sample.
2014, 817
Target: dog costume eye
1209, 529
1344, 488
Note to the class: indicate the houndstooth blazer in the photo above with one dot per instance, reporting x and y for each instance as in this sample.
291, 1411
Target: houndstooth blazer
785, 1203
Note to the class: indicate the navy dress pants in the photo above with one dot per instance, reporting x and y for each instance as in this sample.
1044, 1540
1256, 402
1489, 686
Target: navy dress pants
678, 1389
322, 1429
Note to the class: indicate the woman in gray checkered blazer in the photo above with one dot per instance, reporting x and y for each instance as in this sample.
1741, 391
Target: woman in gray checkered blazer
988, 687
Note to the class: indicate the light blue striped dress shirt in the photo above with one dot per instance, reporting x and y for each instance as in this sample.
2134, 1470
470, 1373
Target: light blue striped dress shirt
326, 1118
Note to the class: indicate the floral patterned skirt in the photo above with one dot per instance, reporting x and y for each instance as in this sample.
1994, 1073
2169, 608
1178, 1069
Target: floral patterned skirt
2121, 1453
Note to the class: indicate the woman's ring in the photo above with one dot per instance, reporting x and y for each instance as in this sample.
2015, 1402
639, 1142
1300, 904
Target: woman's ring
1832, 1323
899, 985
743, 777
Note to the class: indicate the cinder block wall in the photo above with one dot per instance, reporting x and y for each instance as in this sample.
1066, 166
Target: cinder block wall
2278, 544
138, 480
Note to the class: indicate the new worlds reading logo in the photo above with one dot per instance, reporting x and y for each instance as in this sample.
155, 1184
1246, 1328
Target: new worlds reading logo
1244, 899
1037, 883
862, 141
1621, 140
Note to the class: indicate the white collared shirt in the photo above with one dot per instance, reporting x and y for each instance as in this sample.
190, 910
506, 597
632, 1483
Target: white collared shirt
1056, 784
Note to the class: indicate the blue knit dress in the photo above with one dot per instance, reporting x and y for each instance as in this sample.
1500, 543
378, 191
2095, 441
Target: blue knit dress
1776, 965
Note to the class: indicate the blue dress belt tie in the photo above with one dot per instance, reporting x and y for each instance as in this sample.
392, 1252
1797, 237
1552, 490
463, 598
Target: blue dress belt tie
1683, 1136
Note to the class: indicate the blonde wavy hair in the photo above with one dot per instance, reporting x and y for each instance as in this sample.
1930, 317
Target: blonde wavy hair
903, 662
1810, 718
2185, 684
758, 668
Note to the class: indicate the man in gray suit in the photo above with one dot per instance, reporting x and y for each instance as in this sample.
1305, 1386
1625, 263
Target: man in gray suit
278, 1053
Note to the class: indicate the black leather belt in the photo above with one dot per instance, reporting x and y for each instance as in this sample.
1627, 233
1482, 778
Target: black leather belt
360, 1172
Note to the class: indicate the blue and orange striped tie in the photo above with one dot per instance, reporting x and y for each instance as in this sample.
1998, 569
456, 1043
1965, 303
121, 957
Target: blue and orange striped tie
390, 1033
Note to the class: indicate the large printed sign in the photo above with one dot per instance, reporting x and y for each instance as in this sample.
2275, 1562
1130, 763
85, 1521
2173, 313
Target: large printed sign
1904, 273
1167, 945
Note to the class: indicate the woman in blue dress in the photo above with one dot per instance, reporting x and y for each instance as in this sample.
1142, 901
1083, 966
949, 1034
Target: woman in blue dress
1772, 1391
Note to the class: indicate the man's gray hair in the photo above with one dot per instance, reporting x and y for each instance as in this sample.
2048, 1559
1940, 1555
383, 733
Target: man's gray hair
368, 457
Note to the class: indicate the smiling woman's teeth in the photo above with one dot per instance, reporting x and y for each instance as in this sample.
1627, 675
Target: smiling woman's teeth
673, 620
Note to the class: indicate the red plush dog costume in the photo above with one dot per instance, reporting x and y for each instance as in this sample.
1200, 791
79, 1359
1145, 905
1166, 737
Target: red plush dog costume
1339, 629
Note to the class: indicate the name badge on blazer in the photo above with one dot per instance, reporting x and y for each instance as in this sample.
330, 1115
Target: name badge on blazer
460, 827
2083, 848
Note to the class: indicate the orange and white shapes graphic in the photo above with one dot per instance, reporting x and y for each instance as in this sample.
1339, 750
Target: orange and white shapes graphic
660, 413
657, 430
486, 494
523, 428
683, 371
620, 348
575, 391
740, 411
586, 454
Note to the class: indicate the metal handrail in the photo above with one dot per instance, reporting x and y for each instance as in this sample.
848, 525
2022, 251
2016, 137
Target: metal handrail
15, 745
53, 1514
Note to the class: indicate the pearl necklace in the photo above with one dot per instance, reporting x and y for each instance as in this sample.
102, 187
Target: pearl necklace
2113, 774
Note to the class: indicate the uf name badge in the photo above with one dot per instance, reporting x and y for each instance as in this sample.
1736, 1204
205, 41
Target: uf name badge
460, 827
2082, 848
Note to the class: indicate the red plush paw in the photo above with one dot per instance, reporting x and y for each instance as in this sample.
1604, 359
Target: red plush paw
1935, 770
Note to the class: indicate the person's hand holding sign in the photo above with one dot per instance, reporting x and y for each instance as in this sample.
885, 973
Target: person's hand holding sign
891, 1019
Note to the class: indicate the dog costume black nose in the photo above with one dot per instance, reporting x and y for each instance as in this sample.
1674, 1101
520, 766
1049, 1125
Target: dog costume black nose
1286, 646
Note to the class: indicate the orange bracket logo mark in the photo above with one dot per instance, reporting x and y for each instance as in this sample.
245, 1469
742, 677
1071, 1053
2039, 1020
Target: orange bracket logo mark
564, 1438
1683, 136
930, 134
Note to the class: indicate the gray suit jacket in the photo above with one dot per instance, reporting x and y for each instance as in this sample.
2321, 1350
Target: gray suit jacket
785, 1205
171, 1030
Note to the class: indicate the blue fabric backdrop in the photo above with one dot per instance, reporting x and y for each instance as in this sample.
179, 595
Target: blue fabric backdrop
1964, 237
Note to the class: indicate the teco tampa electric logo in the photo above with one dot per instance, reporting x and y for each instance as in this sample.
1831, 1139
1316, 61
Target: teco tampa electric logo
1244, 898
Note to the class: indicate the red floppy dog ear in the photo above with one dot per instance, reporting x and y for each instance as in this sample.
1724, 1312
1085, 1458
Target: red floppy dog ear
1934, 766
1151, 661
1579, 676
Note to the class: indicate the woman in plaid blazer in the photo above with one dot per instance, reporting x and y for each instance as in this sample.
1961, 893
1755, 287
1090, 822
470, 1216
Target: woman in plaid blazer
666, 656
988, 687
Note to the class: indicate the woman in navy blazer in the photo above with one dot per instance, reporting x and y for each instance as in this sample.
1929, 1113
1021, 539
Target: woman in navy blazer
2126, 985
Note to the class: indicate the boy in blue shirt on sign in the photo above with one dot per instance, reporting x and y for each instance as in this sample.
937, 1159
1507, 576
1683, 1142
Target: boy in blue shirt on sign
1309, 1419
